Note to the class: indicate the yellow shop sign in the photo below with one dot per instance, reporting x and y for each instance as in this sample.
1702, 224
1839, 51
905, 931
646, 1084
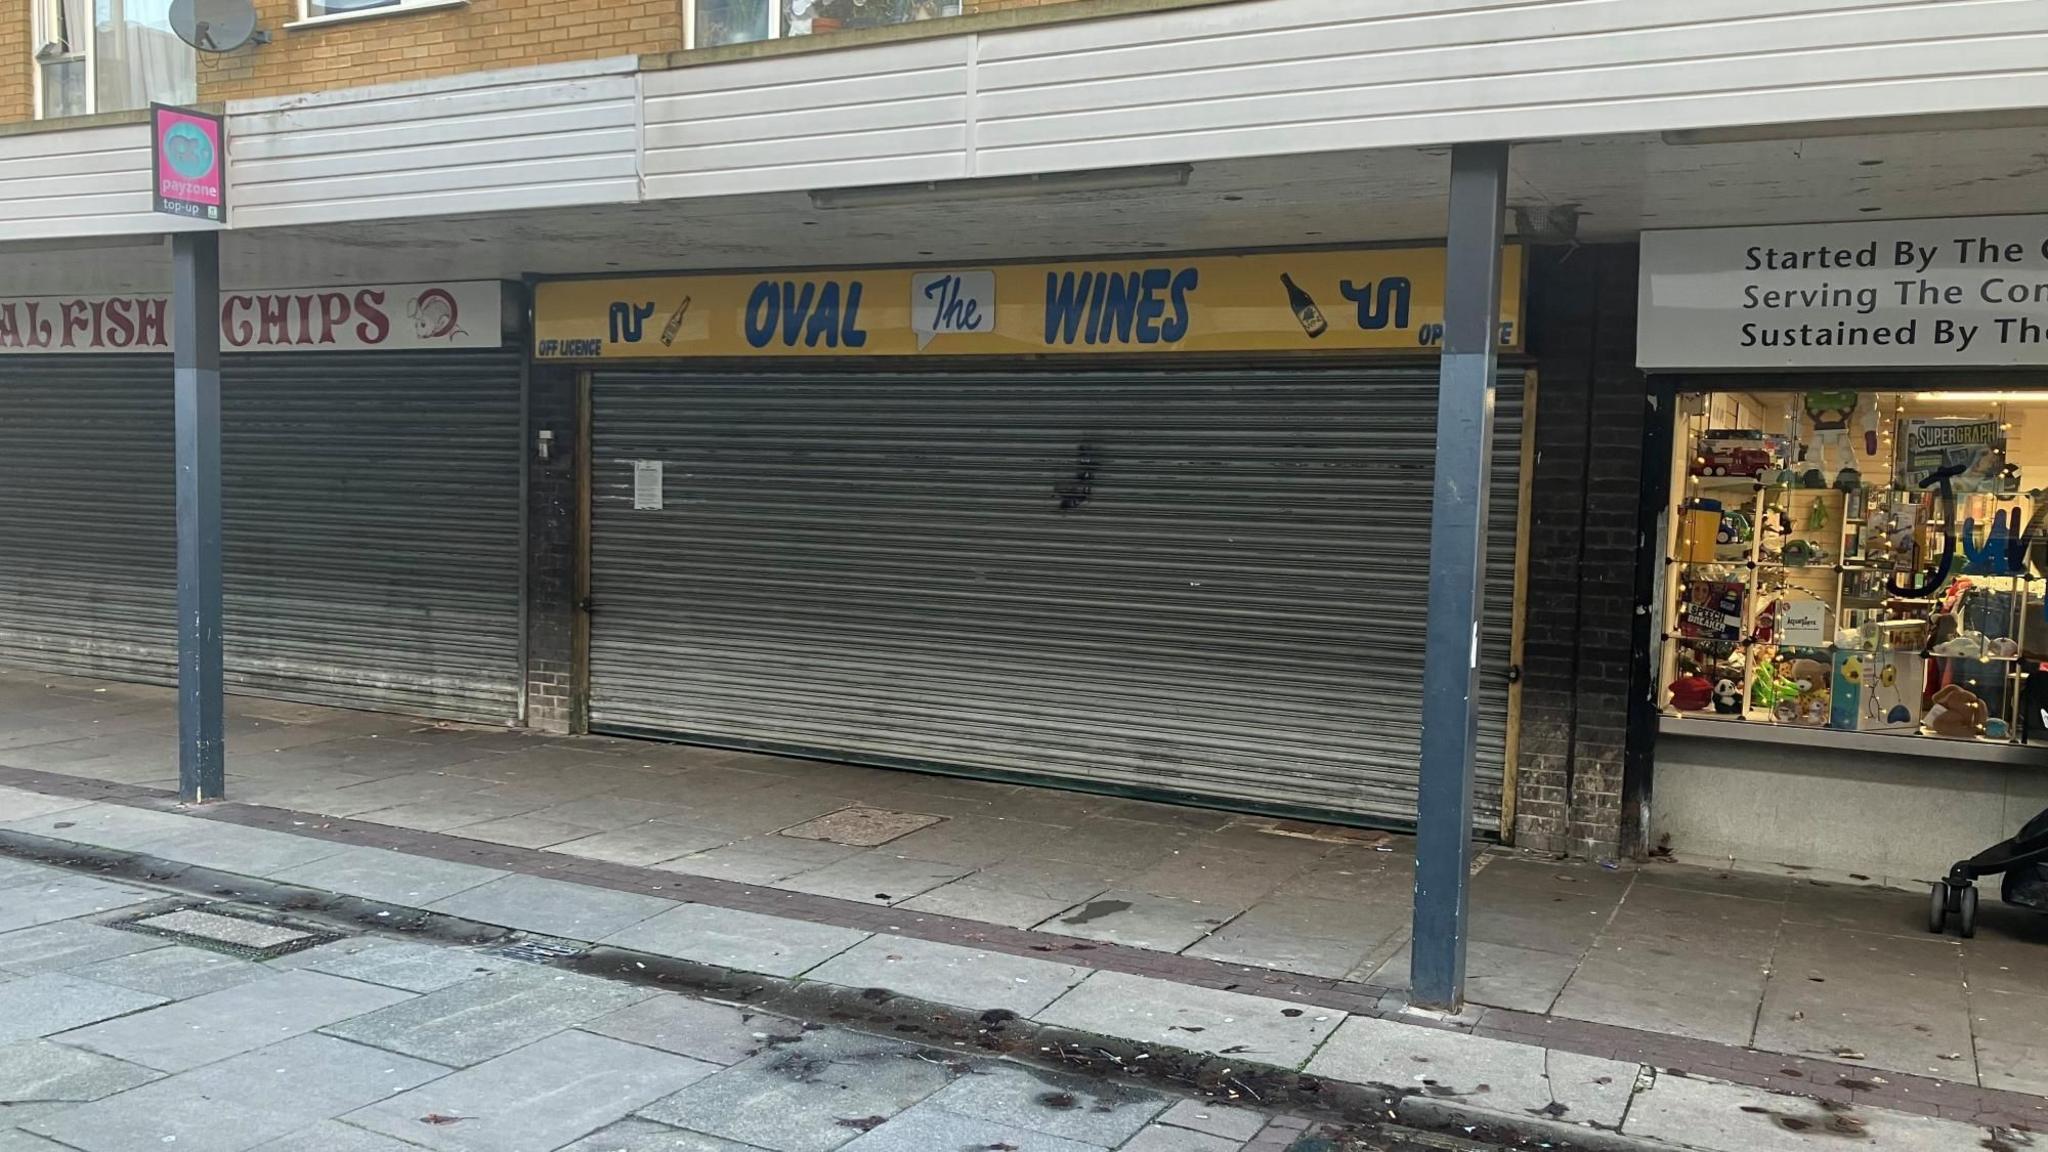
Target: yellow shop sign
1371, 299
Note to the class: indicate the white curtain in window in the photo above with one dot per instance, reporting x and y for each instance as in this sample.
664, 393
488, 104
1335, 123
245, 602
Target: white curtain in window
136, 57
64, 25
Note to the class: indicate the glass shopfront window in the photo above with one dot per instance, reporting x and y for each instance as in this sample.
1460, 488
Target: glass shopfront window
1859, 561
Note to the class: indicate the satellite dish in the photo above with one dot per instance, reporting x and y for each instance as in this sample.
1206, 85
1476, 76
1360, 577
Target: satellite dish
216, 25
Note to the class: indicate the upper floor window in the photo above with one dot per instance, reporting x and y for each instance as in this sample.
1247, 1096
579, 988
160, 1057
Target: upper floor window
312, 9
109, 56
715, 22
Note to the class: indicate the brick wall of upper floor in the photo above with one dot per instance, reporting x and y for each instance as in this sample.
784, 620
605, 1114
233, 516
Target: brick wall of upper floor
17, 65
477, 37
480, 36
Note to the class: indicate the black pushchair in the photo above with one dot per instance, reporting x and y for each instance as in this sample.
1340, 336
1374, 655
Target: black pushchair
2024, 861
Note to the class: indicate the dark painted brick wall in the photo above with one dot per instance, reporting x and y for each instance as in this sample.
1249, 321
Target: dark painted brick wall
551, 512
1580, 602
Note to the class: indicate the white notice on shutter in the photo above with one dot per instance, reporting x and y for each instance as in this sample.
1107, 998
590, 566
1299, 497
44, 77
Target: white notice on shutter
646, 485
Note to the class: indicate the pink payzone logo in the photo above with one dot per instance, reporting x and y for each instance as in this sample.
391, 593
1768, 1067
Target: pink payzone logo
188, 157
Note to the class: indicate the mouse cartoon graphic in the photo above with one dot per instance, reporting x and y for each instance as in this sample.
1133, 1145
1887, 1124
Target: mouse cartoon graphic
434, 315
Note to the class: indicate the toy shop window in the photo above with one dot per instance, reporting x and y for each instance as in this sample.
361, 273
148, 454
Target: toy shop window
1858, 560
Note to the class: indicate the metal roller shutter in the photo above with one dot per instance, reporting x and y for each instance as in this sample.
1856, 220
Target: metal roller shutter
1205, 583
371, 525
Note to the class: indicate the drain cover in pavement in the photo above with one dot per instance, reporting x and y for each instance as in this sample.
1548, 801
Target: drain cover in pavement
534, 950
235, 935
861, 827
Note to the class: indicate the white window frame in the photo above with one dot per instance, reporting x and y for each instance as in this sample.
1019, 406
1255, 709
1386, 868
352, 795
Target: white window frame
38, 35
402, 7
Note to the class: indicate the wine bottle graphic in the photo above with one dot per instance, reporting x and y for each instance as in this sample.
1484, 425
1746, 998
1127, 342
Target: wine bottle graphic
675, 322
1304, 308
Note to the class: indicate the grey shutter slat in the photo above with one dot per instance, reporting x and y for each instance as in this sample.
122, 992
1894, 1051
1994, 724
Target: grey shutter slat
371, 525
1229, 603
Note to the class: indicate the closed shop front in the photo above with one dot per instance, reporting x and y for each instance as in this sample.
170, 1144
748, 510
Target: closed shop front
1169, 576
371, 503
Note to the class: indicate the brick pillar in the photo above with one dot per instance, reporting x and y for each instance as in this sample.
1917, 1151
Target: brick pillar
1583, 536
552, 512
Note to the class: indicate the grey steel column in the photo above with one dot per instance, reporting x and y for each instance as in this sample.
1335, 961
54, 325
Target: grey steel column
1457, 572
195, 336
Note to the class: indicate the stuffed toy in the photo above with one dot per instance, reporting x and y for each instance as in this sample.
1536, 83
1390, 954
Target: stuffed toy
1956, 711
1727, 696
1809, 701
1691, 693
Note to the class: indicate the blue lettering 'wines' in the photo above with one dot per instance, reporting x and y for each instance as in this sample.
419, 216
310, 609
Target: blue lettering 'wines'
1145, 306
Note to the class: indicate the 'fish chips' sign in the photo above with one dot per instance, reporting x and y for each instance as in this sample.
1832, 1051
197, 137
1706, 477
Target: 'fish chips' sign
373, 316
1375, 299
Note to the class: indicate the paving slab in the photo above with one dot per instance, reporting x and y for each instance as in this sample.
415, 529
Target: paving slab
234, 1020
925, 1128
402, 964
151, 1121
974, 840
47, 899
476, 1020
1162, 1138
1496, 975
1720, 1117
615, 811
535, 1099
950, 974
241, 850
14, 872
16, 1140
794, 1099
760, 859
334, 1136
2011, 1041
1239, 1124
68, 944
1901, 1003
105, 825
1091, 1111
527, 831
552, 907
176, 972
1203, 1019
876, 877
388, 877
637, 1135
699, 1029
21, 804
1494, 1075
968, 901
52, 1002
1317, 937
37, 1071
730, 938
1142, 920
645, 844
443, 813
1638, 983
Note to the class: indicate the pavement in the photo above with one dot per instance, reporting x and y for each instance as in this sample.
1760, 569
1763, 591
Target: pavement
130, 1020
85, 762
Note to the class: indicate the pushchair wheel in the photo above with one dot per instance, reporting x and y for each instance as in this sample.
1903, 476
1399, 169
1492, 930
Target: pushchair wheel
1966, 913
1937, 906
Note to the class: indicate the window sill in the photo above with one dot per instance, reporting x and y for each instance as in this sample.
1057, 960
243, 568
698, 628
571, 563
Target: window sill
1902, 743
374, 13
